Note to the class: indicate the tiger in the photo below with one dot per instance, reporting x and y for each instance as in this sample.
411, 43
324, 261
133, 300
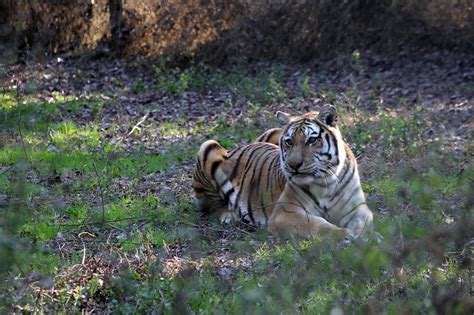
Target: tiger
301, 179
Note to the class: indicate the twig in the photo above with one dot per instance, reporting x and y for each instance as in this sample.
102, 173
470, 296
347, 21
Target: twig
19, 267
469, 273
5, 170
109, 221
139, 123
101, 192
84, 253
202, 226
20, 131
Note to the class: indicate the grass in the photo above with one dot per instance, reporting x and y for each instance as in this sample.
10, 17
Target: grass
96, 223
263, 87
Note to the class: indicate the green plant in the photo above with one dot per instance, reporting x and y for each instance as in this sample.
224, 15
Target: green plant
306, 89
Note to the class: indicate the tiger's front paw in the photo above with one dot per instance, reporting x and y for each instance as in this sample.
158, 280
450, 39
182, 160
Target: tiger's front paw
348, 237
227, 217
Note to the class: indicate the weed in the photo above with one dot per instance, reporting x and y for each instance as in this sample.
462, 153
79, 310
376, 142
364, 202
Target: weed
41, 230
176, 81
386, 130
265, 87
123, 243
306, 89
138, 86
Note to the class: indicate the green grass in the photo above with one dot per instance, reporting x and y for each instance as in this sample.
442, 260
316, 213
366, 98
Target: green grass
115, 239
266, 86
388, 130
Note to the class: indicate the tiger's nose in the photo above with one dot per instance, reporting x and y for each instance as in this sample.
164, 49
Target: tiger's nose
295, 165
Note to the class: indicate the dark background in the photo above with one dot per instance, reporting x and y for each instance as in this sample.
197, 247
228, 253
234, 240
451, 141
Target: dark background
220, 32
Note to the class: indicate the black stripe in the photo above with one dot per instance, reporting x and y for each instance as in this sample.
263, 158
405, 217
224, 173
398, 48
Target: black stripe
231, 153
329, 155
343, 194
208, 149
336, 151
328, 140
247, 168
260, 195
227, 195
237, 162
249, 160
269, 170
251, 188
199, 190
353, 209
310, 195
344, 185
296, 193
347, 166
204, 177
249, 208
275, 131
263, 137
200, 176
198, 168
272, 174
214, 167
349, 199
271, 134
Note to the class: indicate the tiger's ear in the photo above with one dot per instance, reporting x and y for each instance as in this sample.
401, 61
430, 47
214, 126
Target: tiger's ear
283, 118
328, 115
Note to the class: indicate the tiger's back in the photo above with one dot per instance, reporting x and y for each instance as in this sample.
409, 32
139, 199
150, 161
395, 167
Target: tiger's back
243, 183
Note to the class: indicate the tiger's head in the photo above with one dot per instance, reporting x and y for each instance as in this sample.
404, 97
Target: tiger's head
311, 146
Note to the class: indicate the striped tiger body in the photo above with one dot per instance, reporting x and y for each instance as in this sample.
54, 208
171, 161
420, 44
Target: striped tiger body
301, 179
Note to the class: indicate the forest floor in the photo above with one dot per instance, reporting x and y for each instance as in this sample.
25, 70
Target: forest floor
96, 159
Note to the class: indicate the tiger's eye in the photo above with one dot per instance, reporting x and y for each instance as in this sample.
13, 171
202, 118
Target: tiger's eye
288, 142
312, 140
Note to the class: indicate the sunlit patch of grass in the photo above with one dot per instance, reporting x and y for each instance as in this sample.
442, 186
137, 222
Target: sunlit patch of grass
28, 114
132, 241
265, 86
132, 165
40, 229
7, 100
73, 103
78, 212
229, 135
148, 206
157, 236
389, 189
386, 129
35, 116
42, 158
68, 135
170, 129
125, 207
59, 97
33, 139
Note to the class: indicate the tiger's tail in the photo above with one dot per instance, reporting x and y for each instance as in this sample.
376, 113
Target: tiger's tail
205, 185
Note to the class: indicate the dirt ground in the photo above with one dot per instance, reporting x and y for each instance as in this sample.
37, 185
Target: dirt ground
437, 84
